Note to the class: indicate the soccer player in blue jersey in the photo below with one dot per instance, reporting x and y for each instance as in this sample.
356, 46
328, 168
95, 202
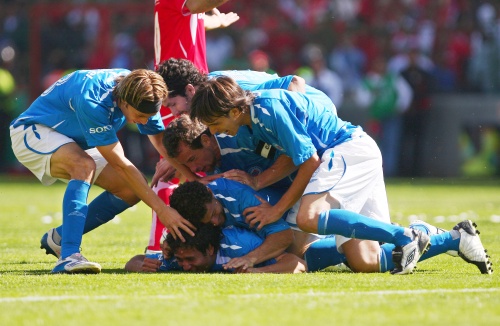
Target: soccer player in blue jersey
339, 178
70, 133
221, 203
209, 250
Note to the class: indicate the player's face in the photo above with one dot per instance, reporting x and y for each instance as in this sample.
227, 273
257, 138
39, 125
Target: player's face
177, 104
134, 116
202, 159
223, 125
215, 213
192, 260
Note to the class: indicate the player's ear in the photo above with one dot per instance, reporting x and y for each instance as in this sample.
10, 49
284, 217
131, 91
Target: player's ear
206, 140
234, 113
190, 90
210, 250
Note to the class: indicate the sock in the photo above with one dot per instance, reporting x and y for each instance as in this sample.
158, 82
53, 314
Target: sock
357, 226
163, 190
386, 263
74, 213
100, 211
103, 209
322, 254
440, 244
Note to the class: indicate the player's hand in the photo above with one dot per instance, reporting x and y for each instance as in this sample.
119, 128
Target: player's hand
174, 222
258, 216
150, 265
242, 177
225, 19
209, 178
164, 172
239, 264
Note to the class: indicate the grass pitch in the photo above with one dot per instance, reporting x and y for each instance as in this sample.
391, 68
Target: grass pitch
443, 291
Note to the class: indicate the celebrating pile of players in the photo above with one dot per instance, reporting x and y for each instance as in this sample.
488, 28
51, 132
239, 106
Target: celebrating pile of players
257, 172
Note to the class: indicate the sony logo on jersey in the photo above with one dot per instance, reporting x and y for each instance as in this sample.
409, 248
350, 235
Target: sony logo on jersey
99, 130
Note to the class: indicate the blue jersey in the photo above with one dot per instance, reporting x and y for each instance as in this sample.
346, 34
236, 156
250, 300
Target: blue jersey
297, 125
235, 197
244, 153
235, 242
80, 105
249, 79
256, 80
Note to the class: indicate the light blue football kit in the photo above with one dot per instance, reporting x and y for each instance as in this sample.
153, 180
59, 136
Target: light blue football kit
299, 127
236, 242
79, 106
235, 197
244, 151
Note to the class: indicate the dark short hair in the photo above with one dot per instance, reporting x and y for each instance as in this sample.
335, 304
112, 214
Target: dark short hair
216, 97
205, 236
178, 73
183, 129
190, 200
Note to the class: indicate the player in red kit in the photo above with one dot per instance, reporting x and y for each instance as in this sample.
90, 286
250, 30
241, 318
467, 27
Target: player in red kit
180, 33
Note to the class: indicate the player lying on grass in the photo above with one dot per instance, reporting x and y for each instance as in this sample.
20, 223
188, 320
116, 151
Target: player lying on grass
217, 203
339, 166
209, 250
69, 133
226, 200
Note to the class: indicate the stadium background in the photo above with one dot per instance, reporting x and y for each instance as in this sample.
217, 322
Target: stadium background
41, 40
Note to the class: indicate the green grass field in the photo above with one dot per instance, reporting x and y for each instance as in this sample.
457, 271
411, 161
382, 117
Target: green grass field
443, 290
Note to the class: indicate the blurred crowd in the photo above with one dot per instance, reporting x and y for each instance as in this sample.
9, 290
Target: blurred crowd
338, 46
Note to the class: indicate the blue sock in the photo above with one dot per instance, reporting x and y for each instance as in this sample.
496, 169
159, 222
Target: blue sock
440, 244
322, 254
101, 210
74, 213
357, 226
386, 263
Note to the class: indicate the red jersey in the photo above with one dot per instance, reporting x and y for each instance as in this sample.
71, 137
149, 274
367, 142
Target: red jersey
181, 35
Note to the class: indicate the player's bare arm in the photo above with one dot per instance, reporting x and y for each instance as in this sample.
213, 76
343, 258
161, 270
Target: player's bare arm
285, 263
281, 168
274, 245
216, 19
115, 156
265, 214
201, 6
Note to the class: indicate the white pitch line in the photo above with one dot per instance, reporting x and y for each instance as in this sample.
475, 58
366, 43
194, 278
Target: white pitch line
257, 295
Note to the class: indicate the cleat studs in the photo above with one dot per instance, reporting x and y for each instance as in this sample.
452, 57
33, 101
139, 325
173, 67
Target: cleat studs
474, 224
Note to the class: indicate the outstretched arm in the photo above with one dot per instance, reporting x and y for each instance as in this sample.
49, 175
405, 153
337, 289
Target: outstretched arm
285, 263
201, 6
265, 214
219, 20
172, 220
274, 245
142, 264
281, 168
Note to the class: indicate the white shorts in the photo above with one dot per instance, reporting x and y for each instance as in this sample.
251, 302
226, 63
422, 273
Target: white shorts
352, 173
34, 146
